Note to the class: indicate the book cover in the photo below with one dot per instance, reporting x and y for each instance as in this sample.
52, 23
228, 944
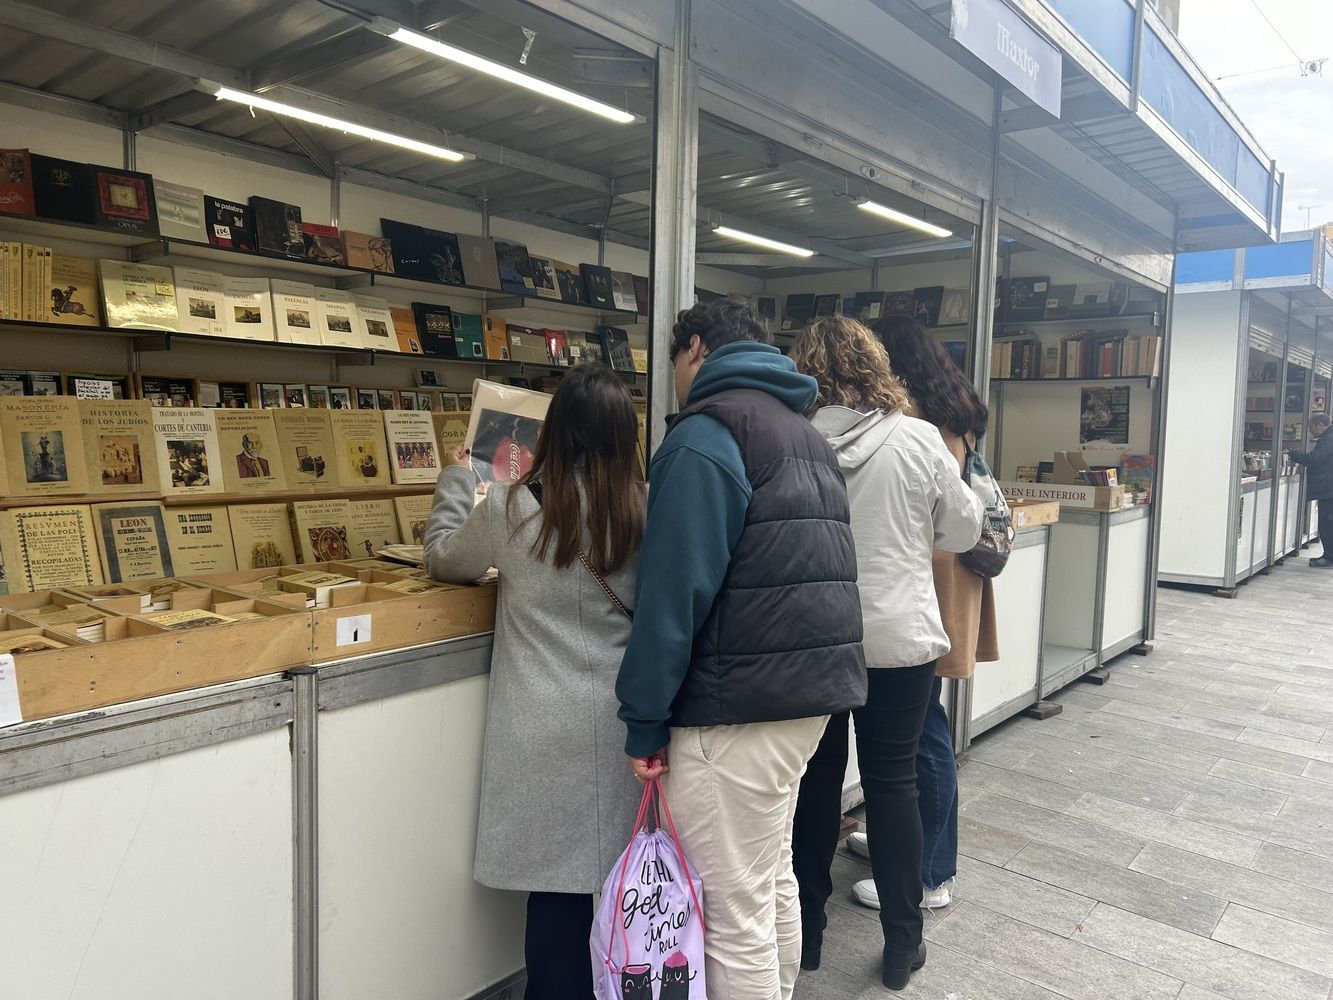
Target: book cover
277, 227
226, 395
229, 224
798, 310
323, 244
200, 303
570, 282
248, 310
597, 280
339, 324
125, 201
869, 306
642, 303
13, 382
138, 296
294, 312
435, 328
503, 428
159, 391
515, 268
119, 453
900, 304
49, 547
320, 530
43, 446
43, 383
261, 535
377, 329
827, 304
543, 277
305, 439
413, 455
71, 294
340, 397
480, 267
186, 441
622, 291
179, 621
199, 540
526, 344
180, 212
371, 525
495, 337
250, 460
955, 307
412, 514
410, 253
132, 541
1059, 300
405, 330
359, 448
317, 397
94, 385
615, 348
1026, 299
557, 347
928, 302
469, 336
370, 253
16, 195
63, 190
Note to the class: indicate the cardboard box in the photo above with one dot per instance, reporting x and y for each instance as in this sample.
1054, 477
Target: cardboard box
1069, 467
1032, 513
368, 619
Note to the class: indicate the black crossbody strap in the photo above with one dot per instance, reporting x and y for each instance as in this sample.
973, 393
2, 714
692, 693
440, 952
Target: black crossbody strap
536, 490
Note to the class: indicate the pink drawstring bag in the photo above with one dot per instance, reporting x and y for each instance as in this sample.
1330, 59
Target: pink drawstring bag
650, 924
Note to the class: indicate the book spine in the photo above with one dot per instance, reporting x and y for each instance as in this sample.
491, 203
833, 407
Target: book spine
4, 282
16, 280
29, 264
44, 292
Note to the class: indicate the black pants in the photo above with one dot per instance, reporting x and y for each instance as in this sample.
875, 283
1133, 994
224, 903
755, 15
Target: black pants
1326, 527
555, 945
888, 730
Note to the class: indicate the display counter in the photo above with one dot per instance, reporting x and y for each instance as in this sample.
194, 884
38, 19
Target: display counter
318, 823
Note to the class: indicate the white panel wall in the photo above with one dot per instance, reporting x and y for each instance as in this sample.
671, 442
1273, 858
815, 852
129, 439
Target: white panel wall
1041, 418
1018, 603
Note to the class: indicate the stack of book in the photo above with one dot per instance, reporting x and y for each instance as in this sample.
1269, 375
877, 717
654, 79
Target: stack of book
317, 587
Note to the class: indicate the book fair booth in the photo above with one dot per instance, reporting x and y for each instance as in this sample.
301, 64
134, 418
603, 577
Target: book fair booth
268, 269
1257, 319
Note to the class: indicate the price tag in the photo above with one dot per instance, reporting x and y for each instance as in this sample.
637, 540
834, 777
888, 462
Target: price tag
10, 713
354, 630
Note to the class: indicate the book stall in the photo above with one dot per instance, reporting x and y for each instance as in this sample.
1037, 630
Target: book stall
1257, 319
259, 276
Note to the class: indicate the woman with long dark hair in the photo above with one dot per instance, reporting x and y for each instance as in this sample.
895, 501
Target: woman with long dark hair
943, 395
557, 802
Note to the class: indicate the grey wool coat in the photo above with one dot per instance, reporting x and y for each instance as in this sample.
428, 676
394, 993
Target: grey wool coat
557, 796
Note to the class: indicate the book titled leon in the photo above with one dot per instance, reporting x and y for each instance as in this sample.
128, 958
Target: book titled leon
49, 547
413, 455
132, 541
138, 296
249, 458
305, 440
320, 530
118, 448
186, 439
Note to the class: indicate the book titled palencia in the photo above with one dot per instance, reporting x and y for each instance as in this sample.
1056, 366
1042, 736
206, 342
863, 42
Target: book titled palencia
250, 459
49, 547
358, 448
43, 446
294, 312
319, 528
187, 450
132, 541
200, 303
413, 455
261, 535
118, 447
138, 296
199, 540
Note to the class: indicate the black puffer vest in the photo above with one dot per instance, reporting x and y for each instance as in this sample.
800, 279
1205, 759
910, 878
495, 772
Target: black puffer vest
783, 639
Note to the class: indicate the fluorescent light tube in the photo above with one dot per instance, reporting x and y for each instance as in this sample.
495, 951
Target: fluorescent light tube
875, 208
762, 241
500, 71
327, 121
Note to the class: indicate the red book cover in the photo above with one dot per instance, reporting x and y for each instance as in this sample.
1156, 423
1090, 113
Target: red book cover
125, 201
1108, 361
557, 346
16, 182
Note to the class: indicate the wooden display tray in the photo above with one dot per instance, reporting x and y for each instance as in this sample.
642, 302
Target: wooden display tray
396, 620
1031, 513
21, 606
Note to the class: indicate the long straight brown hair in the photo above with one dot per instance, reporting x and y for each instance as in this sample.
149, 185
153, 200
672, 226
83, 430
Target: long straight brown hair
590, 431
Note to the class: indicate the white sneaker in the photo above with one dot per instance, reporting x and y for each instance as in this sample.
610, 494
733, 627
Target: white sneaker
859, 844
937, 899
865, 893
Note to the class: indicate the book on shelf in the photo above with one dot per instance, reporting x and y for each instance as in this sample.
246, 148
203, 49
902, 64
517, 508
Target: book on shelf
16, 195
63, 190
13, 382
615, 348
869, 306
71, 295
526, 344
406, 400
371, 525
277, 227
248, 313
317, 397
480, 266
928, 302
405, 330
386, 399
495, 337
622, 292
19, 642
180, 212
956, 307
424, 254
798, 310
642, 298
514, 266
200, 303
569, 279
250, 459
49, 548
435, 329
557, 347
339, 324
44, 384
319, 528
323, 244
315, 586
1059, 301
412, 514
367, 252
412, 451
11, 280
376, 323
119, 451
261, 535
138, 296
225, 394
43, 446
305, 440
159, 390
544, 282
469, 336
199, 540
229, 224
132, 541
827, 304
36, 283
901, 303
359, 448
1096, 299
125, 201
187, 451
1025, 299
765, 307
294, 320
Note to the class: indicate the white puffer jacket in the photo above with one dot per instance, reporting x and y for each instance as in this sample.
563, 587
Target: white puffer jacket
907, 500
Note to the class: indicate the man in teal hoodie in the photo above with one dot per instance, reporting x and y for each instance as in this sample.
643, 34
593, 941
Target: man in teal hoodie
747, 633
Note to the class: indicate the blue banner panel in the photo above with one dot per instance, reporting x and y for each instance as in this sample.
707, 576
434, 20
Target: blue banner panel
1208, 266
1106, 25
1285, 260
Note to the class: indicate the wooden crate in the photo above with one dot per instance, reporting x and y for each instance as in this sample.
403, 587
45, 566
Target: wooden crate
1031, 513
376, 620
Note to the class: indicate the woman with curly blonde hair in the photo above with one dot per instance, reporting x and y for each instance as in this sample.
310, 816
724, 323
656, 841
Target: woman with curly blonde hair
907, 499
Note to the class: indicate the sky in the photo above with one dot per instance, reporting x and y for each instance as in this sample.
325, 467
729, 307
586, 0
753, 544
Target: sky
1290, 115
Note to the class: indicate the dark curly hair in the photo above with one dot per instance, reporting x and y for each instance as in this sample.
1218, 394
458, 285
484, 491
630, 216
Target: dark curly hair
717, 323
939, 388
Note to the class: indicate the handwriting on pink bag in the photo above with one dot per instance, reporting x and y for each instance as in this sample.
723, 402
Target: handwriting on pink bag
648, 901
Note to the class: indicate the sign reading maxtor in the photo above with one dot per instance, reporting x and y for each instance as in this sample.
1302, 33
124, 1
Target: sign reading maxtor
999, 36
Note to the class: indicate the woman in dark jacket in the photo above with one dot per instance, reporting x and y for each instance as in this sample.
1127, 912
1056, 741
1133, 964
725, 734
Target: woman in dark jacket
1319, 460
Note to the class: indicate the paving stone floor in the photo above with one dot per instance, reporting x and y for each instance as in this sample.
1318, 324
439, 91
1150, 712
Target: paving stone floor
1169, 836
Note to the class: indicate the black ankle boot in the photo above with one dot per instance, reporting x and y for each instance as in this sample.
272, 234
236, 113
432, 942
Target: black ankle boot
812, 947
898, 968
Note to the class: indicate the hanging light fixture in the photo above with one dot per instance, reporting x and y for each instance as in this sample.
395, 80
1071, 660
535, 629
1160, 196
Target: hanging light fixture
762, 241
893, 215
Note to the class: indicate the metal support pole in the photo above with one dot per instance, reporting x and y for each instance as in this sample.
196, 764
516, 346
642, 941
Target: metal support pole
1236, 499
1159, 451
1136, 65
305, 808
675, 183
129, 147
1275, 462
335, 195
486, 217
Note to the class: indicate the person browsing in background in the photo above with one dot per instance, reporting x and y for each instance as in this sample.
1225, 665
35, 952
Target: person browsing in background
747, 633
907, 499
1319, 460
943, 395
557, 802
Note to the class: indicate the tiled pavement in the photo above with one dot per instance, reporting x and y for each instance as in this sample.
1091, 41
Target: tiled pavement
1169, 836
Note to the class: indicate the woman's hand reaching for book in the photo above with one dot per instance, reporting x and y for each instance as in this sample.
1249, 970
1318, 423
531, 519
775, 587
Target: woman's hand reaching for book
460, 456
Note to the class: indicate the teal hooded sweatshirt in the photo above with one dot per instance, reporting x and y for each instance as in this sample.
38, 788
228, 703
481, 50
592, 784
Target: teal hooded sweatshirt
697, 501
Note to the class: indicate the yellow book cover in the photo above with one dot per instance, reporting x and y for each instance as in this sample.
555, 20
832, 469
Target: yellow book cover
413, 513
186, 440
43, 445
179, 621
371, 525
132, 541
413, 453
305, 439
261, 535
358, 447
199, 540
320, 528
47, 548
118, 447
72, 298
450, 430
138, 296
249, 457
